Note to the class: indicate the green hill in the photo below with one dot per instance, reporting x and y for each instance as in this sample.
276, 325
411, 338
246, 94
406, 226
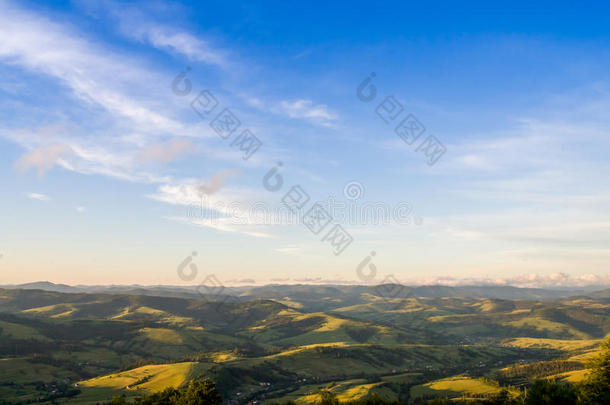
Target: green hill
287, 342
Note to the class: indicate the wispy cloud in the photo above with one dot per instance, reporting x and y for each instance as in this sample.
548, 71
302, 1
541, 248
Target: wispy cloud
143, 23
115, 127
95, 75
39, 197
101, 78
225, 224
165, 152
184, 43
70, 149
301, 109
191, 191
236, 210
216, 182
306, 109
290, 250
42, 159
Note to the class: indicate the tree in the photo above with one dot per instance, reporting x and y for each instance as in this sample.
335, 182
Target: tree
501, 398
328, 398
169, 396
596, 387
197, 393
550, 392
374, 399
202, 393
116, 400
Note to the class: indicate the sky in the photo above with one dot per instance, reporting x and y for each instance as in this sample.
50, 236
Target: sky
284, 142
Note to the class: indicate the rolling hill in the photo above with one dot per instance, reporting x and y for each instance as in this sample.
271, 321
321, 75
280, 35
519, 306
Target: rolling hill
288, 343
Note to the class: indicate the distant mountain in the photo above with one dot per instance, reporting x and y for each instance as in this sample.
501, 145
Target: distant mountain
514, 293
600, 295
45, 286
350, 292
495, 292
323, 297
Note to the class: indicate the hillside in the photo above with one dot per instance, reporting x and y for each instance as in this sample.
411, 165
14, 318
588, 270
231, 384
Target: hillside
87, 347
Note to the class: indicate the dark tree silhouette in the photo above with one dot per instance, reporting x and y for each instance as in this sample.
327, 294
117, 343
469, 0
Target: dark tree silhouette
596, 387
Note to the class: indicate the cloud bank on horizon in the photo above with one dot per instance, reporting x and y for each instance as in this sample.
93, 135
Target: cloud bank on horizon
549, 281
89, 117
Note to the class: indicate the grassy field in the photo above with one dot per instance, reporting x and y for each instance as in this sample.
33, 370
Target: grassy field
131, 383
347, 390
17, 331
455, 387
572, 377
20, 371
555, 344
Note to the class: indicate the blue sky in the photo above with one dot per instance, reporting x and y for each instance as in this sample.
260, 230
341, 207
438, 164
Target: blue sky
105, 167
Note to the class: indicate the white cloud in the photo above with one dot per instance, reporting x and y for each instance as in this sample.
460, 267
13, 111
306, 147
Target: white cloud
101, 78
80, 210
39, 197
86, 155
591, 282
302, 109
207, 204
192, 191
113, 140
225, 225
94, 74
193, 48
531, 280
306, 109
128, 105
141, 22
